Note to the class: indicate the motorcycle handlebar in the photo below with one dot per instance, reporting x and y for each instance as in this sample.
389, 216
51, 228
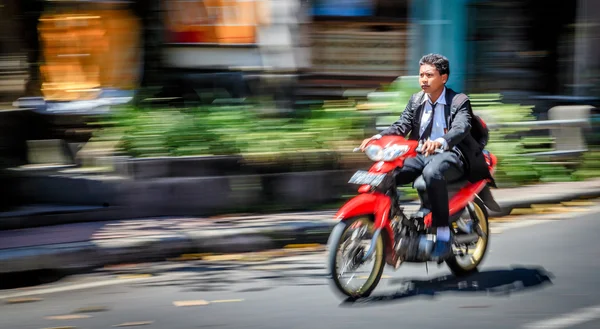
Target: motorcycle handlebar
419, 149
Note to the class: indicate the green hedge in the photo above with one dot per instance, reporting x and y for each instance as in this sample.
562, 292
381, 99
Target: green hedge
223, 130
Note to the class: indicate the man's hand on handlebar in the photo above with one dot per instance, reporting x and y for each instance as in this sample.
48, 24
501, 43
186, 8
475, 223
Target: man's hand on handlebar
366, 141
429, 147
363, 145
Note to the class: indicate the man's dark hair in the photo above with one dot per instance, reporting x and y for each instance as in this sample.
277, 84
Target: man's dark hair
440, 62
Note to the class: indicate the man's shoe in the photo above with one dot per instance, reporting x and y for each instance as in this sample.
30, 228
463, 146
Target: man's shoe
442, 250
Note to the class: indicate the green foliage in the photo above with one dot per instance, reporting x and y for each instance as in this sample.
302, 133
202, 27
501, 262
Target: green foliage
333, 126
394, 98
590, 166
405, 86
149, 132
507, 144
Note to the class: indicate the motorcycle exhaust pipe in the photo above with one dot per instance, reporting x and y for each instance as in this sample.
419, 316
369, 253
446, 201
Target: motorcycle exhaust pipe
466, 238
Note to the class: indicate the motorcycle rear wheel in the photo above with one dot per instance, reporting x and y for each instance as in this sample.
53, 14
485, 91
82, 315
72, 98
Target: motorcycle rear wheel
338, 237
465, 265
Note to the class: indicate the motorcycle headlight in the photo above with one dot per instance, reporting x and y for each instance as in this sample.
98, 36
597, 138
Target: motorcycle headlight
374, 152
391, 153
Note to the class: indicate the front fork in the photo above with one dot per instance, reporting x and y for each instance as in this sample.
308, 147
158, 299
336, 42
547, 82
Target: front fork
383, 223
371, 250
382, 205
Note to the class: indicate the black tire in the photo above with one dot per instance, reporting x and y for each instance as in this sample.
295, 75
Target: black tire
453, 263
335, 238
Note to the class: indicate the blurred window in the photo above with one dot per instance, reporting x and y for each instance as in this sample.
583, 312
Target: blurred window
215, 21
86, 50
361, 38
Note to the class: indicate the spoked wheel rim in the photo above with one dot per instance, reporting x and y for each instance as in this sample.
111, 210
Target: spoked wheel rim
353, 276
474, 253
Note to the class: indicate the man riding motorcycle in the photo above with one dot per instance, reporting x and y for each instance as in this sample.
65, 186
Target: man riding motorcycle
441, 119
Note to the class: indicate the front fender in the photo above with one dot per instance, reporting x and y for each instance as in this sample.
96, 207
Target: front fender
375, 203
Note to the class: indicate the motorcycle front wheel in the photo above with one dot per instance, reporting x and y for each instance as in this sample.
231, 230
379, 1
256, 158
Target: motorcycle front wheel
346, 248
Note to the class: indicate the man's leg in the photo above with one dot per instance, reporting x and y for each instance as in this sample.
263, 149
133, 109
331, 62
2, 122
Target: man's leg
413, 168
440, 169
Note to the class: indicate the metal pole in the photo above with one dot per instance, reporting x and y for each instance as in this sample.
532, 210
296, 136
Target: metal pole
436, 42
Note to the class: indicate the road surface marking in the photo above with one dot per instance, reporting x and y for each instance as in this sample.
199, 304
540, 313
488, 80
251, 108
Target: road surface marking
22, 300
68, 327
564, 210
134, 324
192, 256
227, 301
578, 203
255, 258
225, 257
302, 245
522, 211
133, 276
80, 286
567, 320
184, 303
91, 309
68, 317
542, 206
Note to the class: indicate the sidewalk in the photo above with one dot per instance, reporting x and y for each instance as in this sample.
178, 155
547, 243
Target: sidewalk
95, 244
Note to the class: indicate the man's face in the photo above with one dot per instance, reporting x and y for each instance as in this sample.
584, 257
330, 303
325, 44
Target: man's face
430, 79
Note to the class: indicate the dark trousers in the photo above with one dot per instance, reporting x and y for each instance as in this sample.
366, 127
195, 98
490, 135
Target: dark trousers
436, 169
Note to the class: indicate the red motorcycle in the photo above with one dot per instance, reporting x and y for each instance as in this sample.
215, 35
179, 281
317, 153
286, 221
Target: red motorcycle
373, 227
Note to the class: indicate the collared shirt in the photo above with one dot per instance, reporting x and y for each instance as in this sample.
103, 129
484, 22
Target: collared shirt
439, 125
439, 121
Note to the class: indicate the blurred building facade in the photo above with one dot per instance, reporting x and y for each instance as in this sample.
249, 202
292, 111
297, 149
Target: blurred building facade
534, 47
14, 41
521, 48
72, 48
528, 50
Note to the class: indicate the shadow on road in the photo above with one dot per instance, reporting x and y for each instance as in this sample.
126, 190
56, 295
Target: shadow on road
495, 282
250, 272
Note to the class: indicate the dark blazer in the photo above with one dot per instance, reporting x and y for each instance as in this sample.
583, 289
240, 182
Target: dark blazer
459, 123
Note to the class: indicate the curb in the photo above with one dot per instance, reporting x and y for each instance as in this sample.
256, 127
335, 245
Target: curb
83, 256
508, 206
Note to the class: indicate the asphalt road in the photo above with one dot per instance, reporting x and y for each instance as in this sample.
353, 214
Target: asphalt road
539, 273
